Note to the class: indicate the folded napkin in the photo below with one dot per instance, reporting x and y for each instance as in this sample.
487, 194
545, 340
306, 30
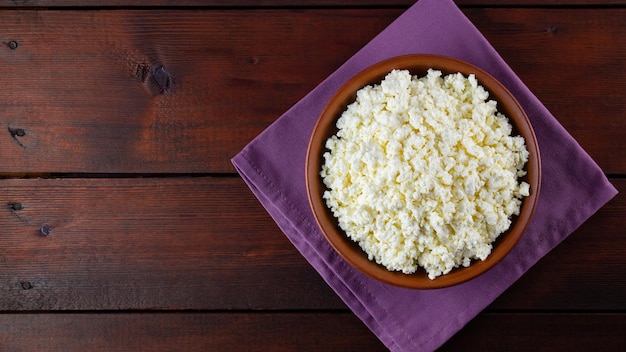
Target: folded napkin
573, 187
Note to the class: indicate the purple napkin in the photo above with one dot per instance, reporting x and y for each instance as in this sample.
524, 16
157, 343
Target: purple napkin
573, 187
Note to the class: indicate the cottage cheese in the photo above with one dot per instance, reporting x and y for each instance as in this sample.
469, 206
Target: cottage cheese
423, 172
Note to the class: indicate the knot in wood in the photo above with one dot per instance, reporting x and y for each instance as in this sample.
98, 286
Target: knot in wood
15, 206
45, 230
162, 79
17, 132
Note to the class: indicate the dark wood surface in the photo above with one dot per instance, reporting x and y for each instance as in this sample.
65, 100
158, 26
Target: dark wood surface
116, 131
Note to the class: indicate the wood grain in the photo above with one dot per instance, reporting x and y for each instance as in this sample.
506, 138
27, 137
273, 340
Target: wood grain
206, 243
110, 115
159, 91
190, 243
541, 332
280, 331
185, 332
290, 3
123, 226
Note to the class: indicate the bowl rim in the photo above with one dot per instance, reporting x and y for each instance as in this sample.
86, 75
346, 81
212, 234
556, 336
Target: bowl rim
350, 250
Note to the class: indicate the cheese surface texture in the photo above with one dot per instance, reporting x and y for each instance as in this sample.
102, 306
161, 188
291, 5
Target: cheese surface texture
424, 172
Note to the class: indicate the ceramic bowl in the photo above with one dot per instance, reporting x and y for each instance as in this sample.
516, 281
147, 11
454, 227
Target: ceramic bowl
325, 127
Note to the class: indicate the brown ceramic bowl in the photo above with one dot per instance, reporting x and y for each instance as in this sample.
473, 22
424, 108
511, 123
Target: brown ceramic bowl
325, 127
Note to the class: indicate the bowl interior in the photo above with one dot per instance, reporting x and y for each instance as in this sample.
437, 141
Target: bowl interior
325, 127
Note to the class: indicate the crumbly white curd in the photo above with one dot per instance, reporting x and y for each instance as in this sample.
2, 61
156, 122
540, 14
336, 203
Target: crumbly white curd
424, 172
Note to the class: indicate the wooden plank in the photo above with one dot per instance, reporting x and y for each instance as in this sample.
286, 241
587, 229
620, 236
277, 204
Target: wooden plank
182, 243
185, 332
152, 91
287, 331
541, 332
289, 3
92, 102
190, 243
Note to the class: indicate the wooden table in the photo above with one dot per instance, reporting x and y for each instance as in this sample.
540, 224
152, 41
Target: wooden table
123, 225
